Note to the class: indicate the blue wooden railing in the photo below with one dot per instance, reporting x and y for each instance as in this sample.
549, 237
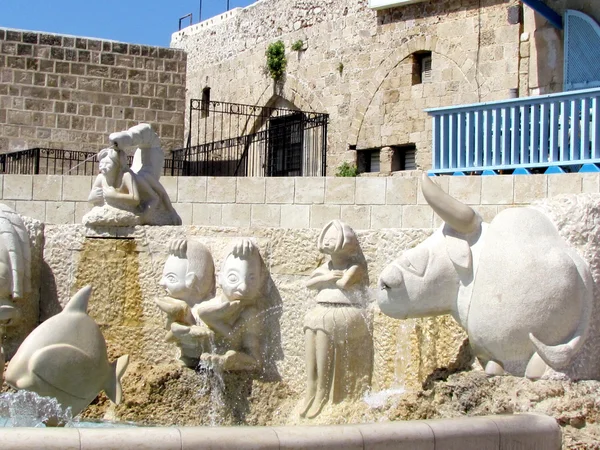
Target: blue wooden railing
555, 133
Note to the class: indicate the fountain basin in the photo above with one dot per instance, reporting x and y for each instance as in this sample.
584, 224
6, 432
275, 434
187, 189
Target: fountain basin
524, 431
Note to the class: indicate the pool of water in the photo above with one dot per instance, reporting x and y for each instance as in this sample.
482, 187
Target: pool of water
27, 409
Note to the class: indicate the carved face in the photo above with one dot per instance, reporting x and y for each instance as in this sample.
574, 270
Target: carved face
337, 238
109, 160
422, 282
330, 240
174, 277
241, 278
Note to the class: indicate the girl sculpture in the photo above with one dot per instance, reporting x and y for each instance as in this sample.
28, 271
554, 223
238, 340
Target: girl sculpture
338, 338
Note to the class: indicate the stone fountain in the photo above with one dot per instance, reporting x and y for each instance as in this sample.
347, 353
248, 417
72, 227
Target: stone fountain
263, 329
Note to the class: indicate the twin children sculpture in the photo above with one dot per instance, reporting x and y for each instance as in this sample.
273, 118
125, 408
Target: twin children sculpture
221, 331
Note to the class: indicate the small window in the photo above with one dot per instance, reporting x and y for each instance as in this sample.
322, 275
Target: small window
404, 157
421, 67
204, 107
368, 160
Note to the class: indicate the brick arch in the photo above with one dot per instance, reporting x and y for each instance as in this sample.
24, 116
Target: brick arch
390, 62
301, 95
295, 92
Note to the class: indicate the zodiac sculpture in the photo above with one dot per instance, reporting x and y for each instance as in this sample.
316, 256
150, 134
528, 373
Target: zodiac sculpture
223, 331
65, 358
338, 339
521, 292
124, 196
189, 278
15, 268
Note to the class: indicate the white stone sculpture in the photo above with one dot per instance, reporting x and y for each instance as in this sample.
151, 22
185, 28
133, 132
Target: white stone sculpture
222, 332
15, 268
338, 338
65, 358
124, 196
523, 295
189, 278
234, 315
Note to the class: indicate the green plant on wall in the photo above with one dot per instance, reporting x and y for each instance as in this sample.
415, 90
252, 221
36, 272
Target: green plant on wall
276, 61
346, 170
298, 45
340, 68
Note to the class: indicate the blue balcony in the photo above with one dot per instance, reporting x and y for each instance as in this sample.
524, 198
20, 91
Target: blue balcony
550, 133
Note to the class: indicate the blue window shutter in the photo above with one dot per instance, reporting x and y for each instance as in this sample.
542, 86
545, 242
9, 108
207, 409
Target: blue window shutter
582, 51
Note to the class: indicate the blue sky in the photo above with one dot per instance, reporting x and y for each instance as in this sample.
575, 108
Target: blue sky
149, 22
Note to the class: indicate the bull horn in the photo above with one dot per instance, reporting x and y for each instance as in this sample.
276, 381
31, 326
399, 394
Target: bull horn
456, 214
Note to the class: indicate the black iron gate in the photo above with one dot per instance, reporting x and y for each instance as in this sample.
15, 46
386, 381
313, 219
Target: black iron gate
231, 139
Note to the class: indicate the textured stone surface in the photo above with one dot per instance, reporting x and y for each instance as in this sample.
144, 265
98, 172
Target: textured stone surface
374, 101
171, 395
195, 207
67, 93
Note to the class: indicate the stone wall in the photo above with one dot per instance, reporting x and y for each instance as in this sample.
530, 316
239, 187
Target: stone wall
70, 92
358, 64
302, 202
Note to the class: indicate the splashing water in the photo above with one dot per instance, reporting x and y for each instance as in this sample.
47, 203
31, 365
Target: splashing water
379, 399
27, 409
212, 383
82, 162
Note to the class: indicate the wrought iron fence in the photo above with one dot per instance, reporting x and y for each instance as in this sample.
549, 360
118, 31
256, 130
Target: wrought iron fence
226, 139
232, 139
50, 161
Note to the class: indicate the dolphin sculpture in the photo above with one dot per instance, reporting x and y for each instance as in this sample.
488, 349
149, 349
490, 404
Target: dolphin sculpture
65, 358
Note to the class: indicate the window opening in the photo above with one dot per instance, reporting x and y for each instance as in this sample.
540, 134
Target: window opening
421, 67
205, 103
404, 157
368, 160
286, 142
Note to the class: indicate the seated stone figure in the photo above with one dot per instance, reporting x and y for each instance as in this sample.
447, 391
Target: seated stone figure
225, 330
338, 338
124, 196
189, 278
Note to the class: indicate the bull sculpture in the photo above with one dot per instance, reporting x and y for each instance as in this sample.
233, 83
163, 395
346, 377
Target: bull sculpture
522, 294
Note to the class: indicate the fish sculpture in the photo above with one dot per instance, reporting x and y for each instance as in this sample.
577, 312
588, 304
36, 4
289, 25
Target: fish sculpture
65, 358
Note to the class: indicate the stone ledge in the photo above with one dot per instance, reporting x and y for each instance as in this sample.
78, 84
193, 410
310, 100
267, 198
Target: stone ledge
383, 202
523, 431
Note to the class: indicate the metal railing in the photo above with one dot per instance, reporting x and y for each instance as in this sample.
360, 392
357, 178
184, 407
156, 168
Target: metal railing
557, 131
226, 139
232, 139
50, 161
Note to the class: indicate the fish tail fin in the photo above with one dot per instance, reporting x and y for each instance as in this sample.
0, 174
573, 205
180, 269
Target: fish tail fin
117, 369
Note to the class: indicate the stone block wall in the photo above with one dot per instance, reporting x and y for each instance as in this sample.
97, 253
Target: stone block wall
70, 92
302, 202
358, 64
